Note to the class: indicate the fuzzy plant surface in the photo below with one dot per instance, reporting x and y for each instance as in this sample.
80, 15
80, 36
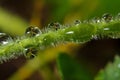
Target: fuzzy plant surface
80, 32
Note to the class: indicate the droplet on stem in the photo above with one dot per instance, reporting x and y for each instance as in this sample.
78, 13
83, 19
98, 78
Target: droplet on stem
30, 53
50, 25
54, 25
32, 31
77, 22
4, 38
96, 20
107, 17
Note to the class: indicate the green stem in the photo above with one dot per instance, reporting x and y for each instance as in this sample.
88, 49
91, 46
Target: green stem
81, 33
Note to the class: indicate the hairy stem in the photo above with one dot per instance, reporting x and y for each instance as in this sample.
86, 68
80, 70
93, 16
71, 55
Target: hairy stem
81, 33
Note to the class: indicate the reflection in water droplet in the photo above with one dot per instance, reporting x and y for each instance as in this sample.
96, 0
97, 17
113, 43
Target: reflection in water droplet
96, 20
106, 29
107, 17
4, 38
30, 53
50, 25
70, 32
32, 31
77, 22
54, 25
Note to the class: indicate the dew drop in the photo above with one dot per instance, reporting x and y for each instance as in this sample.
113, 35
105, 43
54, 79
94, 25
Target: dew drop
32, 31
70, 32
77, 22
50, 25
54, 25
30, 53
107, 17
4, 38
96, 20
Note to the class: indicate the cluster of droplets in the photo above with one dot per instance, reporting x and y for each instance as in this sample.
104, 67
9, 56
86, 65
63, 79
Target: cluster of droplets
33, 31
105, 18
77, 22
54, 25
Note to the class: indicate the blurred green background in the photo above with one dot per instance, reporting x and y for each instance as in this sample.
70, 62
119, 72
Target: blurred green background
17, 15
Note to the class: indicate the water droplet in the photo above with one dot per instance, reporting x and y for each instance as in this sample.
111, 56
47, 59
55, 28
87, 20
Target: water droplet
96, 20
50, 25
32, 31
30, 53
4, 38
57, 25
54, 25
106, 29
107, 17
77, 22
70, 32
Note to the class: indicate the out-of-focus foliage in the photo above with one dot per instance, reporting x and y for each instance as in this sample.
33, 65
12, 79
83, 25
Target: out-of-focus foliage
40, 61
11, 23
107, 6
68, 10
69, 69
111, 71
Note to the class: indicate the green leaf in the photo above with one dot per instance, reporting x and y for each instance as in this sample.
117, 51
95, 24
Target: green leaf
111, 72
69, 69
